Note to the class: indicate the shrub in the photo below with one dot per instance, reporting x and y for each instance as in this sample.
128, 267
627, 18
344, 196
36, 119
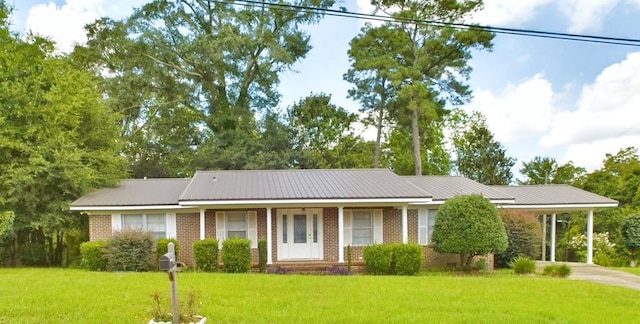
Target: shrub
94, 255
205, 253
523, 233
394, 259
236, 255
557, 270
481, 264
523, 265
377, 258
469, 225
407, 259
262, 255
130, 250
161, 246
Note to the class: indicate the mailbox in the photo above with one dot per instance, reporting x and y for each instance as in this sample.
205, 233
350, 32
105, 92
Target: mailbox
167, 262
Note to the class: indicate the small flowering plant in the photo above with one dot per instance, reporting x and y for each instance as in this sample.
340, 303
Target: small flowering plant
601, 244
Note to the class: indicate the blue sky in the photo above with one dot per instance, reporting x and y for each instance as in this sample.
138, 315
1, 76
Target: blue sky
568, 100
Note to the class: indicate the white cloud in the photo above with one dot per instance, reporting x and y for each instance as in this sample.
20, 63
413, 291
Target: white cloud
590, 155
519, 111
508, 13
586, 15
607, 109
65, 23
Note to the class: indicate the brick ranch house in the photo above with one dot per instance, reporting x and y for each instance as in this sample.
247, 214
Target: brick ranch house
309, 216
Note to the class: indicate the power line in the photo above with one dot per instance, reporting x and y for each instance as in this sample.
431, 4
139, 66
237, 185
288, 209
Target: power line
497, 30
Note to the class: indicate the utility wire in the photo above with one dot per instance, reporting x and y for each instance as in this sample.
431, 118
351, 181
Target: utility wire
497, 30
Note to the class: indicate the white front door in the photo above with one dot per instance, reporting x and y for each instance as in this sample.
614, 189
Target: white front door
300, 234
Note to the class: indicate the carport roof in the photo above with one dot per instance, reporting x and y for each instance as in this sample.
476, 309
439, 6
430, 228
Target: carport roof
445, 187
554, 197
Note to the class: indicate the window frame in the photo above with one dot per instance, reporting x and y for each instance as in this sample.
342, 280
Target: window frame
145, 224
370, 227
227, 228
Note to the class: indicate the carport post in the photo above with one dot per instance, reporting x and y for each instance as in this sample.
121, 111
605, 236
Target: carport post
544, 237
552, 249
590, 237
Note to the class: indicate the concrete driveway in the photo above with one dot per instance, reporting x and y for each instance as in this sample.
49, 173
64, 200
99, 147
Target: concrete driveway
596, 273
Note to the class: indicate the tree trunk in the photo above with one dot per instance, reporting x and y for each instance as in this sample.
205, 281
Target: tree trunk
376, 156
415, 136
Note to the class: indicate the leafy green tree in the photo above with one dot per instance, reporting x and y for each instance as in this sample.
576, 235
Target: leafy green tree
542, 170
631, 235
57, 142
481, 158
427, 64
201, 69
469, 225
323, 137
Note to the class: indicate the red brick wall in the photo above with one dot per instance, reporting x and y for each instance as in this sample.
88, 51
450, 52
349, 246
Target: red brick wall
100, 227
187, 231
330, 228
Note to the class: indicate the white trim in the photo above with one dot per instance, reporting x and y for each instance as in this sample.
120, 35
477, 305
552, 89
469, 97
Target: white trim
221, 232
202, 223
590, 237
116, 222
340, 234
378, 226
269, 233
307, 202
440, 202
558, 207
127, 208
423, 226
552, 248
252, 228
171, 228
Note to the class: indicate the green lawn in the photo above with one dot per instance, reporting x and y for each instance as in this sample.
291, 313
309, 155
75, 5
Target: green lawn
77, 296
630, 270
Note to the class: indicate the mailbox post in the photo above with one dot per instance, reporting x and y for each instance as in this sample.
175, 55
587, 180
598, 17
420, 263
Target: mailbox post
167, 263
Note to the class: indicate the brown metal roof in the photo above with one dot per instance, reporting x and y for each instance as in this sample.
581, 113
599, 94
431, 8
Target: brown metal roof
553, 194
299, 184
136, 192
445, 187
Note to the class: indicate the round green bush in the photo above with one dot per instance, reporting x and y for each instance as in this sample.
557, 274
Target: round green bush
93, 255
205, 253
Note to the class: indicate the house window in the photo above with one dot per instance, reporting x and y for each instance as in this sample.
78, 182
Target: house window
426, 220
156, 224
236, 224
362, 227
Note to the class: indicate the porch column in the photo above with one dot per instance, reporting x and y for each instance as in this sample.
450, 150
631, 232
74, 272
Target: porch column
202, 223
544, 237
590, 237
552, 249
269, 247
340, 234
405, 227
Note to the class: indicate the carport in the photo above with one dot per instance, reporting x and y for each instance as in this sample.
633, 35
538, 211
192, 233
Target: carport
552, 200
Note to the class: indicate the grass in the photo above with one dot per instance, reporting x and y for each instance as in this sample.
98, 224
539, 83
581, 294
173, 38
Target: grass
635, 271
78, 296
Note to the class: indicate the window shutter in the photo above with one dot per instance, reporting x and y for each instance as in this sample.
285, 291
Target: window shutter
252, 234
347, 227
171, 225
377, 226
422, 226
116, 222
220, 229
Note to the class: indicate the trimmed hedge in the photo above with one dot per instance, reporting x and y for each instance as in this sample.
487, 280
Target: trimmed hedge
94, 255
205, 253
236, 255
161, 247
393, 259
262, 255
130, 250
